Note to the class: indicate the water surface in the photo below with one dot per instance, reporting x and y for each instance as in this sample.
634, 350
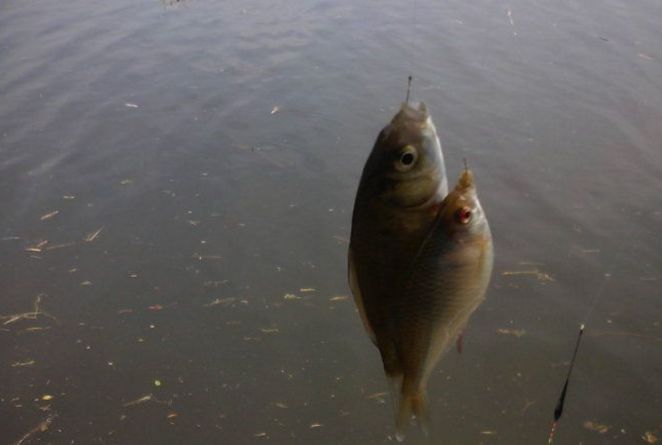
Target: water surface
209, 153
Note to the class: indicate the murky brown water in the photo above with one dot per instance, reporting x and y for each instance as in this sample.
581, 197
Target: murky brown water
208, 304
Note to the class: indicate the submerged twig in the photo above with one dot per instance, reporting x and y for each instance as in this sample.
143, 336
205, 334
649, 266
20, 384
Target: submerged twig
36, 247
147, 398
93, 235
541, 276
8, 319
516, 332
222, 301
43, 426
60, 246
49, 215
33, 329
25, 363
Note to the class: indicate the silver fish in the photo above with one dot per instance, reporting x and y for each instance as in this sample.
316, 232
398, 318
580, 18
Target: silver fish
402, 184
446, 283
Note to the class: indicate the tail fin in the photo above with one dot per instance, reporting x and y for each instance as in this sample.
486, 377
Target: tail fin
412, 404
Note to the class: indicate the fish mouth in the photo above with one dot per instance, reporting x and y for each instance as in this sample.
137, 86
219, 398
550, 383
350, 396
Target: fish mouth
411, 112
466, 181
416, 106
465, 189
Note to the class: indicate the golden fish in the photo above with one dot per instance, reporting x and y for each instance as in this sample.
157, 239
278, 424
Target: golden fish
419, 261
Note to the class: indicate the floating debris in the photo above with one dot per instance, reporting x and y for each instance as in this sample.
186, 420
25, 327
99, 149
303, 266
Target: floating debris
315, 425
275, 110
221, 301
147, 398
47, 397
291, 297
59, 246
516, 332
488, 433
130, 105
8, 319
378, 396
49, 215
25, 363
126, 181
157, 382
649, 437
37, 247
339, 298
261, 434
34, 329
541, 276
86, 283
68, 197
172, 416
595, 426
307, 289
124, 311
269, 330
93, 235
155, 307
528, 404
281, 405
40, 428
200, 257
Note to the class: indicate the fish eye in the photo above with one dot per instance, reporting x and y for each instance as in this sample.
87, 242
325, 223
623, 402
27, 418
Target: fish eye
463, 215
408, 157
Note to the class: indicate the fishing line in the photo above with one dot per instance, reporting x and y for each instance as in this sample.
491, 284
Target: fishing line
408, 88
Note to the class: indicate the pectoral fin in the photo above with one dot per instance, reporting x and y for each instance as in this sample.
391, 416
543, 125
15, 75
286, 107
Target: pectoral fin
356, 291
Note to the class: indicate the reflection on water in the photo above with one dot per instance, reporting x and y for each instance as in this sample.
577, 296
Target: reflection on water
172, 250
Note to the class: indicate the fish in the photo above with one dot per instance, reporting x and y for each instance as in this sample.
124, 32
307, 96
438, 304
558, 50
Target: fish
401, 187
415, 270
446, 283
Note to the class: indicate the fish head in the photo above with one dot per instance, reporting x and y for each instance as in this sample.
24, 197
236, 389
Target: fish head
461, 211
406, 166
